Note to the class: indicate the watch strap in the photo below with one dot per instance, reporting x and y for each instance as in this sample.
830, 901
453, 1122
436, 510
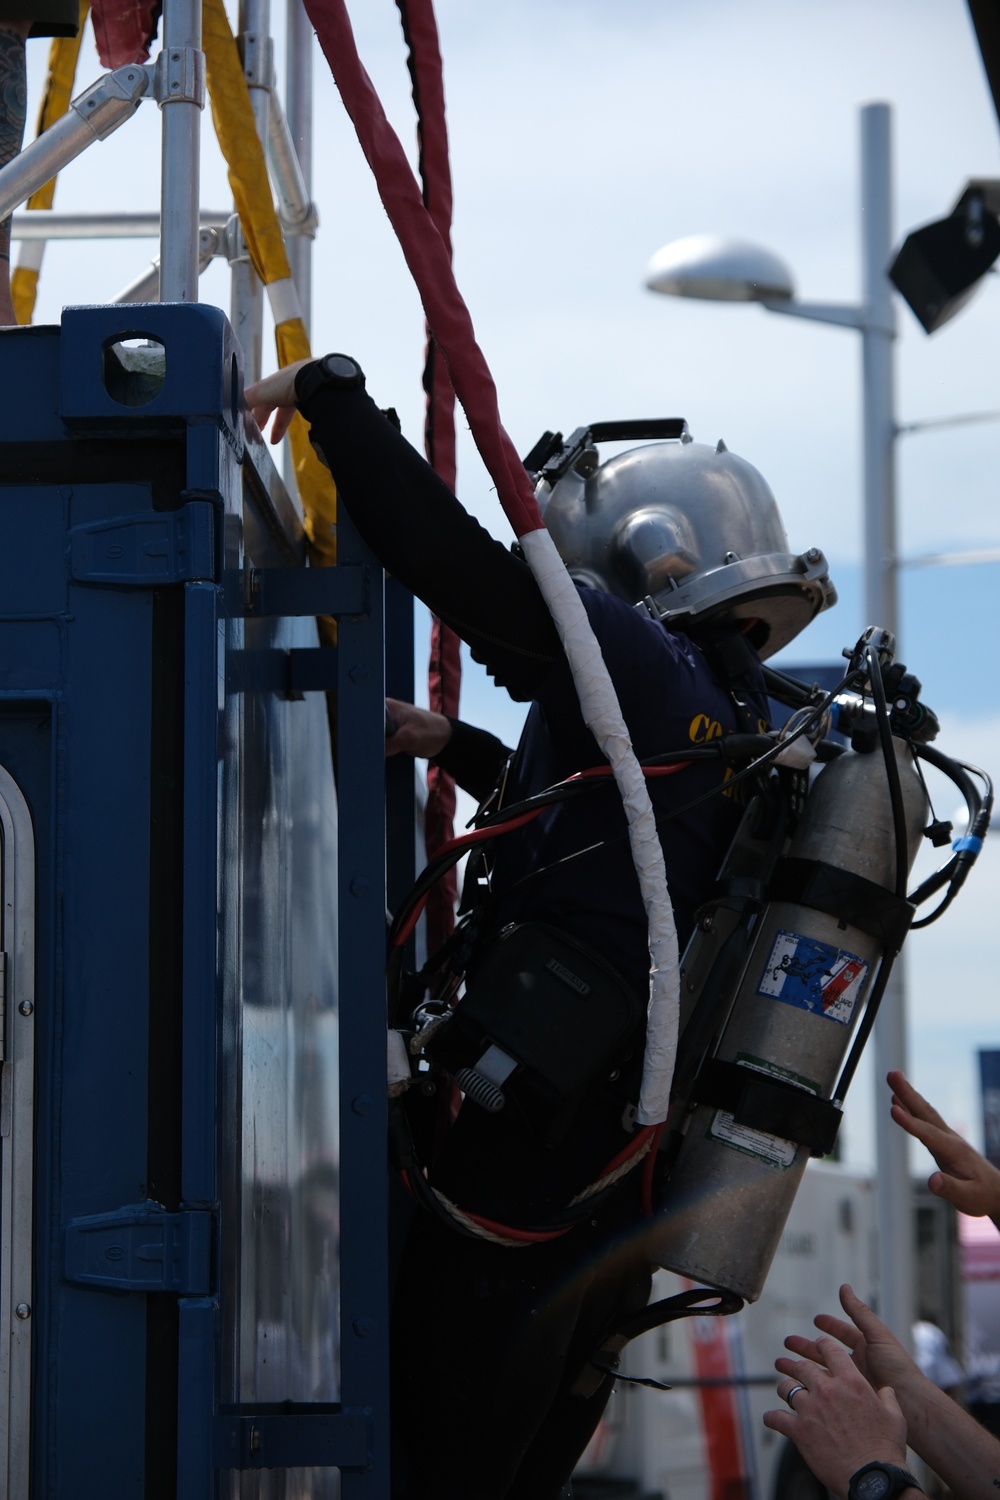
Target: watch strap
900, 1479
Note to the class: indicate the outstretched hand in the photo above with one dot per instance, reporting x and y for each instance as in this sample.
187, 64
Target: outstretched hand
275, 393
837, 1421
876, 1352
965, 1179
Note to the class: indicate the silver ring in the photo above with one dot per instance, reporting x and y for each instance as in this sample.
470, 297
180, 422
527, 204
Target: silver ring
794, 1392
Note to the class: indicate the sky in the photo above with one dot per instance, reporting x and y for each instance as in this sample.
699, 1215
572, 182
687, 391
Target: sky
586, 135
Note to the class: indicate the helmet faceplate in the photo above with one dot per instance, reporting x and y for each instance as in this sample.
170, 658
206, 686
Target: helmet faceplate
692, 530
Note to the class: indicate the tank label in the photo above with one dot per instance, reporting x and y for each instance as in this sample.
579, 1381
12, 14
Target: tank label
771, 1148
814, 976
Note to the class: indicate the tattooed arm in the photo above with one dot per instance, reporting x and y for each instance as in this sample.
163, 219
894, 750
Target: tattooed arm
13, 100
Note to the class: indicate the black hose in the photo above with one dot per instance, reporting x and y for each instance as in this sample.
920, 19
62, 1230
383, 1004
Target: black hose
891, 769
954, 873
864, 1030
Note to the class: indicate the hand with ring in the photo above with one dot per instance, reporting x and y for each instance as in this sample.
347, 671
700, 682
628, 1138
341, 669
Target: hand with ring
845, 1424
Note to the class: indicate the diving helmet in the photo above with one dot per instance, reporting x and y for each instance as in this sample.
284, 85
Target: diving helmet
692, 531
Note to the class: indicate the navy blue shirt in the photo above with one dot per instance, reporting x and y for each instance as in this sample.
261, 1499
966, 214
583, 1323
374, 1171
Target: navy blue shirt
670, 700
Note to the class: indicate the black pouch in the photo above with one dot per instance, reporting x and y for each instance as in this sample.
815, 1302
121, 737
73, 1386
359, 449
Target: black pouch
544, 1019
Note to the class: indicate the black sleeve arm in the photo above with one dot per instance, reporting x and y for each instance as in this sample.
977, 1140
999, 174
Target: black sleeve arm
422, 535
474, 757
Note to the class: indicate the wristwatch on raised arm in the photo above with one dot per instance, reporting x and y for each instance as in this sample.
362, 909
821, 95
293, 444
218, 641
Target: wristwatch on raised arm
338, 372
878, 1481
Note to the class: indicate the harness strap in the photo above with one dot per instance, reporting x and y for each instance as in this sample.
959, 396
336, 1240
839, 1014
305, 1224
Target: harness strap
697, 1302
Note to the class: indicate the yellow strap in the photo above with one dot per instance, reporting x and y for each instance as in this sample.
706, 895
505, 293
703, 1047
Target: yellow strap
63, 55
236, 129
313, 480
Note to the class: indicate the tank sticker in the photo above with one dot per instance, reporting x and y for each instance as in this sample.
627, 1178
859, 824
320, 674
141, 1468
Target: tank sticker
814, 976
754, 1142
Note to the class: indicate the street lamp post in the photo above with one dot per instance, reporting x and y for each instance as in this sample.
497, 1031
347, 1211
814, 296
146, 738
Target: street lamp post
732, 271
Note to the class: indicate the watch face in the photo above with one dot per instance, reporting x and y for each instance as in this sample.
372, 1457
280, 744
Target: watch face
873, 1485
341, 366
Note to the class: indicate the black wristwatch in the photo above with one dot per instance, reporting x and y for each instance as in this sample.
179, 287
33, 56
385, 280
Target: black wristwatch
337, 372
879, 1481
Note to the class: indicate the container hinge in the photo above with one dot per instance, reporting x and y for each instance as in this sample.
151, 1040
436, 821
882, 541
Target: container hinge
142, 1248
146, 550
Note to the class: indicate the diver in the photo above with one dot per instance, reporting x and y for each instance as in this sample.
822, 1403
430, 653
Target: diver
498, 1314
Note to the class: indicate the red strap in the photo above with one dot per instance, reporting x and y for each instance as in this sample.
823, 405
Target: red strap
426, 255
445, 667
123, 30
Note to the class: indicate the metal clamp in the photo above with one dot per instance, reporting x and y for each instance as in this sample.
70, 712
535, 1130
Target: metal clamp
306, 226
112, 99
234, 244
180, 76
257, 54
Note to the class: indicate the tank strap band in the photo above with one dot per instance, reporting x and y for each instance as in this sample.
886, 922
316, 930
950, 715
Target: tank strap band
848, 897
763, 1102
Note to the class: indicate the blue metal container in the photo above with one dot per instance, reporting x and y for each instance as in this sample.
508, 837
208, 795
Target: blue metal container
177, 1151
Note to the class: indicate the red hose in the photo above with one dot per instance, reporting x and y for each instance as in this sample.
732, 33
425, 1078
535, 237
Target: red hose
494, 828
444, 668
426, 254
444, 673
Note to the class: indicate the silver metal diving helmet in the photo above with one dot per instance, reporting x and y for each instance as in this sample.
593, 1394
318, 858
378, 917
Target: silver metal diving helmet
692, 531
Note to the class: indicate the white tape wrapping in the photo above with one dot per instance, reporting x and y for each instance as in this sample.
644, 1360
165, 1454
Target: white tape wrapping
603, 716
29, 257
284, 300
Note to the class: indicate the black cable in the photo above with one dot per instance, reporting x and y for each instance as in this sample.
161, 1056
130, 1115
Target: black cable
864, 1030
953, 874
559, 1223
882, 719
980, 808
789, 690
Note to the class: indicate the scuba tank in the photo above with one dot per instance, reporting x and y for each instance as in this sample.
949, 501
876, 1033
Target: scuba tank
774, 981
783, 974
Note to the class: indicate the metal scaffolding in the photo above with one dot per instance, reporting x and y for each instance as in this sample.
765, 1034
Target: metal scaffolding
189, 235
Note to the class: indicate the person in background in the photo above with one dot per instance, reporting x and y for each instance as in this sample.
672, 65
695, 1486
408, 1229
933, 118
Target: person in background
854, 1405
20, 19
933, 1354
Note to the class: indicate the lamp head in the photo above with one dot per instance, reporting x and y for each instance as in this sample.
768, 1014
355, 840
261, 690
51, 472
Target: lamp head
719, 270
941, 265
